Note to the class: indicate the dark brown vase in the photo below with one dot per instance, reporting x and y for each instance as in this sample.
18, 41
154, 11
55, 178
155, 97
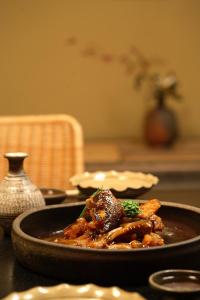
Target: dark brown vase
160, 126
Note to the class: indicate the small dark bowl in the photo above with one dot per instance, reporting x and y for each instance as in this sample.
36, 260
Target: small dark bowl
53, 196
179, 283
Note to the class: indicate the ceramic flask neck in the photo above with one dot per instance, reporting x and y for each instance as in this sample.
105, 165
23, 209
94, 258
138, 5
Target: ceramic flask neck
15, 161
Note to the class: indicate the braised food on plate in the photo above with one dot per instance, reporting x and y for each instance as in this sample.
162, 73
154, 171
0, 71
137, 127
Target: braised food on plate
110, 223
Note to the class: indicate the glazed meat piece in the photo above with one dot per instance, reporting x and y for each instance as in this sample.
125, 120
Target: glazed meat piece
105, 210
131, 245
82, 241
120, 246
152, 239
85, 240
157, 223
149, 208
139, 227
99, 242
136, 244
76, 229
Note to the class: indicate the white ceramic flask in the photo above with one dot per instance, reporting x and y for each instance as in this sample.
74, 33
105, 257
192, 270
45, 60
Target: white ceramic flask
17, 192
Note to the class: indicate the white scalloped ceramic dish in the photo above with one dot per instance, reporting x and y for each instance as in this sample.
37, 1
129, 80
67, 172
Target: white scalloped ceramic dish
122, 184
75, 292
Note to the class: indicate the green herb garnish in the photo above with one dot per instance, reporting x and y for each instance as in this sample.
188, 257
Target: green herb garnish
99, 190
83, 212
131, 208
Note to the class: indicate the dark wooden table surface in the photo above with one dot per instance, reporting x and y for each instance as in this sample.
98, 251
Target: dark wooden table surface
178, 169
14, 277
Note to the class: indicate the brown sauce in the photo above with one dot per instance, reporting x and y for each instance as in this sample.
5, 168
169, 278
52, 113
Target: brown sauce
175, 232
53, 236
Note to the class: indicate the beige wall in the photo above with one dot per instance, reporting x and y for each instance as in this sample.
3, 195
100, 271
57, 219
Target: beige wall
41, 73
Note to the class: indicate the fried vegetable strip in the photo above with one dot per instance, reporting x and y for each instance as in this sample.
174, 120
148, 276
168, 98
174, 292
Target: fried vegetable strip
149, 208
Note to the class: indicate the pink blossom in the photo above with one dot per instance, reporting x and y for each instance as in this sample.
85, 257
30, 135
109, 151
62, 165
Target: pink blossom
71, 41
107, 58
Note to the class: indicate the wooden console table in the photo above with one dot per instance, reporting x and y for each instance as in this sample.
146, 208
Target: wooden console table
126, 154
178, 168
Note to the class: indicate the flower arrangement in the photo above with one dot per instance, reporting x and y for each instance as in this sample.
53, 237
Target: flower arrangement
145, 72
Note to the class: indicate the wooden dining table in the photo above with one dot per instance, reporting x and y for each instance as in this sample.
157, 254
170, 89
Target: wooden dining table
178, 170
15, 277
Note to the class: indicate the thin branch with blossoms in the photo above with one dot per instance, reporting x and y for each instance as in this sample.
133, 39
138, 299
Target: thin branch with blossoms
136, 64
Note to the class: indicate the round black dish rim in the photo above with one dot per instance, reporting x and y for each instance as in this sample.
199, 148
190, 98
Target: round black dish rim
107, 261
124, 194
53, 196
158, 281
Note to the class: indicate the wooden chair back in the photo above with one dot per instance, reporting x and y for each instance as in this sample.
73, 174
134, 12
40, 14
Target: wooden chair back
54, 144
